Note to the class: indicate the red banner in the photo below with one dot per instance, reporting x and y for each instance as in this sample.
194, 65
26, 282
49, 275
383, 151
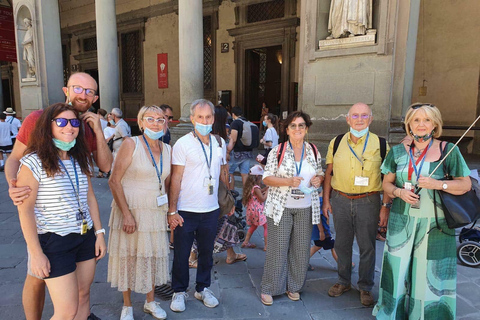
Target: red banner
162, 70
7, 35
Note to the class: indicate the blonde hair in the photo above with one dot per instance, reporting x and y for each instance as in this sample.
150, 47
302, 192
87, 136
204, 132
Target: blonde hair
431, 111
144, 110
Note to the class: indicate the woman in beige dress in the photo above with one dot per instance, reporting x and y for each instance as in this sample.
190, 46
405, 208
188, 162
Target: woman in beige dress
138, 241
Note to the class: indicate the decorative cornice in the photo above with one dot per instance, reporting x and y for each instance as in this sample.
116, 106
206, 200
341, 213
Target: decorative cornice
264, 25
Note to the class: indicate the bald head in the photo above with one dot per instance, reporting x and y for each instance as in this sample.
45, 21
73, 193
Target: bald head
360, 107
84, 78
359, 116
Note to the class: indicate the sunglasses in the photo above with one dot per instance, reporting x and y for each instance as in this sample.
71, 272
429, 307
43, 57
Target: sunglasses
300, 126
80, 89
419, 105
62, 122
363, 116
170, 118
152, 120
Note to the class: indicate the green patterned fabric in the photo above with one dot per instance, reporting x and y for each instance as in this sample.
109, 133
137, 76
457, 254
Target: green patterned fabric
419, 272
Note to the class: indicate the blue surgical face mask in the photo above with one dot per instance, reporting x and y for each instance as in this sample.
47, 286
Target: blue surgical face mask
154, 135
306, 190
203, 129
65, 146
357, 133
264, 123
112, 122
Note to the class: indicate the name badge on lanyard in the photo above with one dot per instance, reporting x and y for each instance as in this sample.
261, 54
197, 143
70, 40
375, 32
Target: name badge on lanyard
360, 181
412, 166
162, 199
208, 182
296, 193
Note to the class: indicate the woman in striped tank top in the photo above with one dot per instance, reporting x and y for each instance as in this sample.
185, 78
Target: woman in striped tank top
60, 219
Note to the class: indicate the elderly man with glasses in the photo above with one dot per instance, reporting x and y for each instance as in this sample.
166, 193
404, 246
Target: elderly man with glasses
352, 190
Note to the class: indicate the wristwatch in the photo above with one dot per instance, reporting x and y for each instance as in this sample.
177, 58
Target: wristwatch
386, 205
100, 231
444, 186
172, 213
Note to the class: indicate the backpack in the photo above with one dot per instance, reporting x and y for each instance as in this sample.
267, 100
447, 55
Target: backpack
281, 152
383, 146
250, 135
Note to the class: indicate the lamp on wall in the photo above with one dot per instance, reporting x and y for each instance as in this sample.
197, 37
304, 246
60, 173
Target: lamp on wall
279, 56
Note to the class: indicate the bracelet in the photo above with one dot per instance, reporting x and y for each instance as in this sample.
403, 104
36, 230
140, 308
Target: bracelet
172, 213
100, 231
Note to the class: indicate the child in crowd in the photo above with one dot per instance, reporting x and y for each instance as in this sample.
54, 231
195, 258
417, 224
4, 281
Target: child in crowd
254, 199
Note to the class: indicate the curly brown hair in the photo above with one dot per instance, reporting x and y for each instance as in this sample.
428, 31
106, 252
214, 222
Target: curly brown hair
247, 189
41, 142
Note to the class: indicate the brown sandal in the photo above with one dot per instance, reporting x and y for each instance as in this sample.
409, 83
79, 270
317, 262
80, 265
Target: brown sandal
238, 257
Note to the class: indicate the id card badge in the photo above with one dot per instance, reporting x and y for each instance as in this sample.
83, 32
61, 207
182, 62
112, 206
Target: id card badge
209, 184
84, 227
408, 186
161, 200
297, 194
361, 181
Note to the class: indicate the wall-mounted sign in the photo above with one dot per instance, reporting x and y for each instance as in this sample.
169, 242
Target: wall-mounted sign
162, 70
7, 35
225, 47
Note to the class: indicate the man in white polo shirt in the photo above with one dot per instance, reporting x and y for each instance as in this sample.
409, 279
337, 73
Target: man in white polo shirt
198, 162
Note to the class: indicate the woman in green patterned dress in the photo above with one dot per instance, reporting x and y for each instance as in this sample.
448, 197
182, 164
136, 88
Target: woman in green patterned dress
419, 273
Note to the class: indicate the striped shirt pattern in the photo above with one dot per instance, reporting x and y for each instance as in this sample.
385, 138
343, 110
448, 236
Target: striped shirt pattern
56, 206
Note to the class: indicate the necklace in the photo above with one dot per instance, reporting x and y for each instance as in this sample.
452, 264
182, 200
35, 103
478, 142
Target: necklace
417, 153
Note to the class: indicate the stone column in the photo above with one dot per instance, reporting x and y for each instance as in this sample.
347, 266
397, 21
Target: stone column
2, 108
410, 54
190, 36
190, 39
107, 51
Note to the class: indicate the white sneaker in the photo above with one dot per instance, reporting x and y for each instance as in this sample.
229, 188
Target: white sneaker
207, 297
127, 313
178, 301
155, 310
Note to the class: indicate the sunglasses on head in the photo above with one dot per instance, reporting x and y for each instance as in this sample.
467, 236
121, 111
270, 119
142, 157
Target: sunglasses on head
419, 105
62, 122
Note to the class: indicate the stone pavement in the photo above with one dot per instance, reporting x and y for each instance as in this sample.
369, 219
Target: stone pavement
236, 286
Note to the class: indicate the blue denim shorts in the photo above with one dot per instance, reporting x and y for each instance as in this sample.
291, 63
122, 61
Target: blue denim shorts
240, 160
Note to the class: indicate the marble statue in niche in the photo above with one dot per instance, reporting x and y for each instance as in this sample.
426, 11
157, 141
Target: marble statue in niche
29, 49
349, 18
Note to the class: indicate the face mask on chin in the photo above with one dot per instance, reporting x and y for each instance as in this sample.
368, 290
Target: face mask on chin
422, 138
64, 146
154, 135
357, 133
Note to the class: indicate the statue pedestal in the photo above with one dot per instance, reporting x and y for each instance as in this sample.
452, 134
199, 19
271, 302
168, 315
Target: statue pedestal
350, 42
29, 79
179, 131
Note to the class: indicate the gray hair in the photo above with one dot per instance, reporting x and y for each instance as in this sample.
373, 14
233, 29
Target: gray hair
201, 102
117, 112
144, 110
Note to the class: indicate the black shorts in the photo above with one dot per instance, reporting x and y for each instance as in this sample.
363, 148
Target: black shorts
326, 244
6, 148
64, 252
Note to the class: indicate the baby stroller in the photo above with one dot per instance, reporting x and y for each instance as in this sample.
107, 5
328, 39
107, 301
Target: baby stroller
468, 251
238, 219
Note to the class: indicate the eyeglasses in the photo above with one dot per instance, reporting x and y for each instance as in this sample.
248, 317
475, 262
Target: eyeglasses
300, 126
62, 122
363, 116
88, 92
152, 120
419, 105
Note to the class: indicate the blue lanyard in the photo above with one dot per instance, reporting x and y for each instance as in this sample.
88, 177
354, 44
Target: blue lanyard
298, 169
364, 147
417, 172
159, 174
209, 164
76, 191
11, 120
